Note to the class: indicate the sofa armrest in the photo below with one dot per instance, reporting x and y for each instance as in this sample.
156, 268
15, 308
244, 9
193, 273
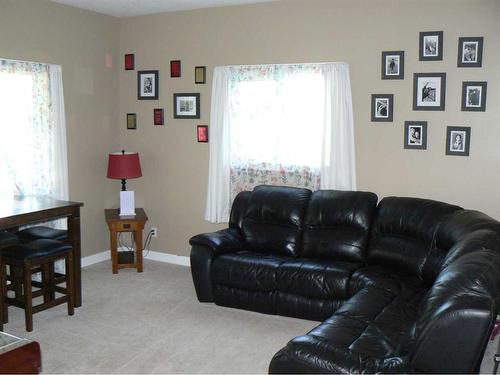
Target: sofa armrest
205, 247
221, 242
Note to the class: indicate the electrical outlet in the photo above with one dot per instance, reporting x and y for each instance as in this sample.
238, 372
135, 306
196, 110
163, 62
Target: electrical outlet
155, 232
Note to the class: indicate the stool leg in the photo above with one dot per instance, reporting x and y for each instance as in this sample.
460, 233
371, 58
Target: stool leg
70, 281
48, 282
28, 299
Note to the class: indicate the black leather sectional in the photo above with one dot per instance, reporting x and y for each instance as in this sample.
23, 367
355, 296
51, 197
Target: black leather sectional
408, 285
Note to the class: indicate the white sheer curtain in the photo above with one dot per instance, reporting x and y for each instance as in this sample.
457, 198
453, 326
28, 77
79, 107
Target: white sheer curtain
281, 125
33, 157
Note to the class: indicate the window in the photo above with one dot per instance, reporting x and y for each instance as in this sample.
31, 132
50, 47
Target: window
279, 125
276, 128
32, 130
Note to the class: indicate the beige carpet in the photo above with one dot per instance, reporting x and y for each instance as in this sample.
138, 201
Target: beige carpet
153, 323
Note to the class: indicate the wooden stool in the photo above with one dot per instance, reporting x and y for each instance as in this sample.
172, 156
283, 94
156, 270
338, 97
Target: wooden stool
38, 254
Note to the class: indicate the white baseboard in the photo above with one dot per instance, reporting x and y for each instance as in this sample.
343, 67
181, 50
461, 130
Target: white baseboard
96, 258
168, 258
151, 255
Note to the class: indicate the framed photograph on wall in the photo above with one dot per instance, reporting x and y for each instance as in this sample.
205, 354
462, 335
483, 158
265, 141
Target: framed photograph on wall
187, 106
429, 90
202, 133
129, 61
457, 140
158, 117
131, 121
393, 65
474, 96
415, 135
175, 68
430, 46
199, 74
382, 107
147, 85
470, 52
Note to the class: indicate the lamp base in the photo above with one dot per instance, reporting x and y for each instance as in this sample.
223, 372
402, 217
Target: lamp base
127, 203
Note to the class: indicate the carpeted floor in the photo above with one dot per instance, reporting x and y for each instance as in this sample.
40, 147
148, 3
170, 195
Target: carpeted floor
153, 323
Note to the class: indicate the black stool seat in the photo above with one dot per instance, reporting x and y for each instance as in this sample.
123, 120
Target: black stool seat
35, 249
38, 232
7, 239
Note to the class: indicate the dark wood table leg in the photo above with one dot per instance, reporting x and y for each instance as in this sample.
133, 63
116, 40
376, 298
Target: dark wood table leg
75, 240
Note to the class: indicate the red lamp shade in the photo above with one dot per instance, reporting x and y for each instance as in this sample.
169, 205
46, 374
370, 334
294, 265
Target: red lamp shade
124, 165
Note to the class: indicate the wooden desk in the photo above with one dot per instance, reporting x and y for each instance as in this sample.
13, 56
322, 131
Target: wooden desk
31, 210
19, 356
118, 224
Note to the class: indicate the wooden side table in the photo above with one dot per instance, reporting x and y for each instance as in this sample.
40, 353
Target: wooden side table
118, 224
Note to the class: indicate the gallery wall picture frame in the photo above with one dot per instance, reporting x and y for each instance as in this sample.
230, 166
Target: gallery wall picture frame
187, 106
200, 74
175, 68
458, 140
158, 116
147, 85
202, 133
430, 46
474, 96
393, 64
129, 61
429, 91
470, 52
131, 121
415, 135
382, 106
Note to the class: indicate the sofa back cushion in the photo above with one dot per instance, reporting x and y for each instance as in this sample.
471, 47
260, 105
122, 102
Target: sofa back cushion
337, 225
403, 232
450, 241
273, 220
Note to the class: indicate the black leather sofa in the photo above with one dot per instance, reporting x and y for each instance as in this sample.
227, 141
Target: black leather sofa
408, 285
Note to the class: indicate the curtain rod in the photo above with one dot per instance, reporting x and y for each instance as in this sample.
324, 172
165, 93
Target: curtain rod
288, 64
27, 61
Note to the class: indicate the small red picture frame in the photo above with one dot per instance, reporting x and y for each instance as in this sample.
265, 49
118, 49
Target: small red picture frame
202, 133
175, 68
129, 61
158, 116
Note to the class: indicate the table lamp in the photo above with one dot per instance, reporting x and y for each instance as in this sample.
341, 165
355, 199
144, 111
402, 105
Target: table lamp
121, 166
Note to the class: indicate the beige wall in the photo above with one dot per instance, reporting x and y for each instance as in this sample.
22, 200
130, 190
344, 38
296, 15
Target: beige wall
175, 166
355, 31
79, 41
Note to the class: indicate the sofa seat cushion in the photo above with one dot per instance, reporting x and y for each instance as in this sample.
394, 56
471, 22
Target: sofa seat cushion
316, 278
370, 327
247, 271
391, 280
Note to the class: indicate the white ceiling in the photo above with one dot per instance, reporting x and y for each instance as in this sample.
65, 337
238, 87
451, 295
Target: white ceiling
127, 8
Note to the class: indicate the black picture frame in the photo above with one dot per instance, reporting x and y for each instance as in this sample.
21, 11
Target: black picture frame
382, 107
393, 64
147, 85
187, 105
455, 147
474, 96
430, 46
200, 73
429, 91
470, 52
412, 139
131, 121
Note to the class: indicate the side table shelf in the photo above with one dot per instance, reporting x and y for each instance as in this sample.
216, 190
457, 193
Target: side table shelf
118, 224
